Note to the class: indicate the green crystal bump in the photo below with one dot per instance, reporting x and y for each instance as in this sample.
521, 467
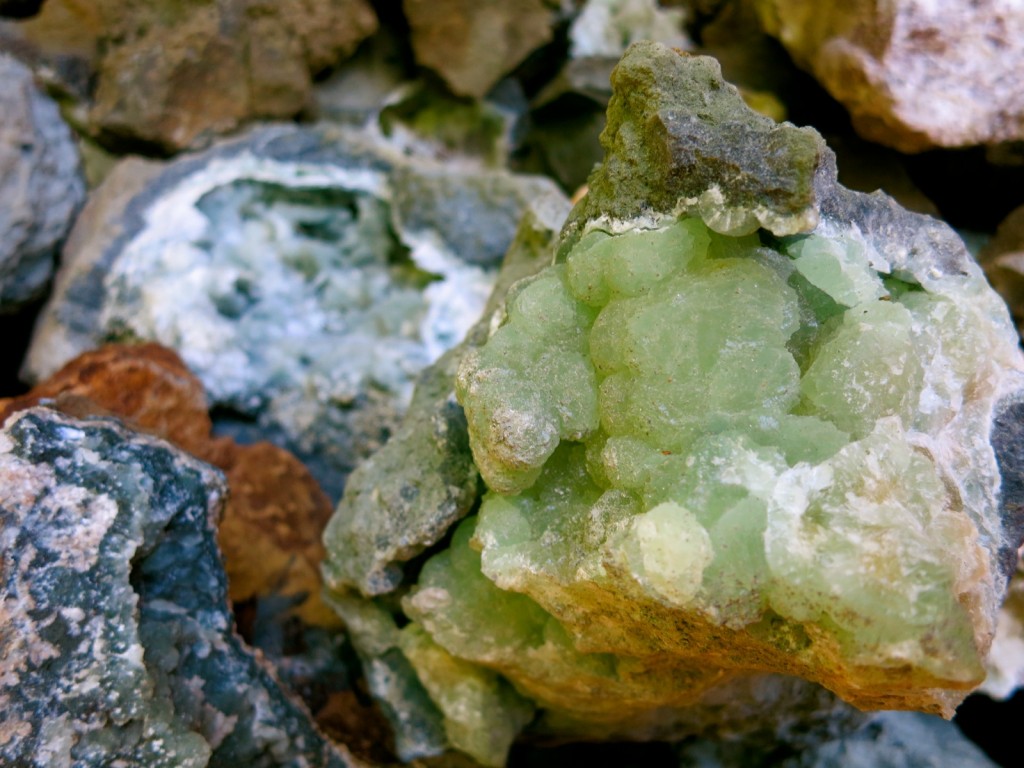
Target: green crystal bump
533, 371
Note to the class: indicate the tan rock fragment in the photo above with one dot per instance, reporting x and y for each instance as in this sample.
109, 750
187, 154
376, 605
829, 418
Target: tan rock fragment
174, 75
473, 44
1003, 261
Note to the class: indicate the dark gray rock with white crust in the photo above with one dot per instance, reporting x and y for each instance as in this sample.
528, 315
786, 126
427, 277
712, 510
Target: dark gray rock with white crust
117, 646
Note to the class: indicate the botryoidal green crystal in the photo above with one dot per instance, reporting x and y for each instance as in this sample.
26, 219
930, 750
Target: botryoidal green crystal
686, 434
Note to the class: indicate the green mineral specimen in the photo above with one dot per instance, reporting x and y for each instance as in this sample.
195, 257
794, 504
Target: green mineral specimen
742, 439
406, 496
693, 433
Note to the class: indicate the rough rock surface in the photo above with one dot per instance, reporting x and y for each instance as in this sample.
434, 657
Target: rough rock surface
275, 515
276, 265
171, 76
116, 642
473, 44
913, 74
654, 538
735, 170
41, 185
1006, 659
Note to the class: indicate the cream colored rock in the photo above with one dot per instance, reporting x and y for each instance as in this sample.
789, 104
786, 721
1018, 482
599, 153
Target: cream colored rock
1006, 659
914, 74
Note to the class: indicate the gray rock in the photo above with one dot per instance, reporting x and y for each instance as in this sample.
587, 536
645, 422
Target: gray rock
887, 740
41, 185
117, 645
305, 274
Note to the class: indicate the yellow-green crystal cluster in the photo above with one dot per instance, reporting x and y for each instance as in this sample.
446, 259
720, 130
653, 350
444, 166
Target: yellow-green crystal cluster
695, 440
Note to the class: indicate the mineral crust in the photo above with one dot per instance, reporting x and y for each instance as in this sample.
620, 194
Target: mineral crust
749, 423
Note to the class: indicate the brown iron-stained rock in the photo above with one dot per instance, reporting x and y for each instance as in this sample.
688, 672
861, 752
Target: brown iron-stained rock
271, 530
473, 44
914, 75
271, 527
146, 384
358, 725
171, 75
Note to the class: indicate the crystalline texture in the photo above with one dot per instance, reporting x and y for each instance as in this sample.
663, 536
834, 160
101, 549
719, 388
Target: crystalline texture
726, 430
